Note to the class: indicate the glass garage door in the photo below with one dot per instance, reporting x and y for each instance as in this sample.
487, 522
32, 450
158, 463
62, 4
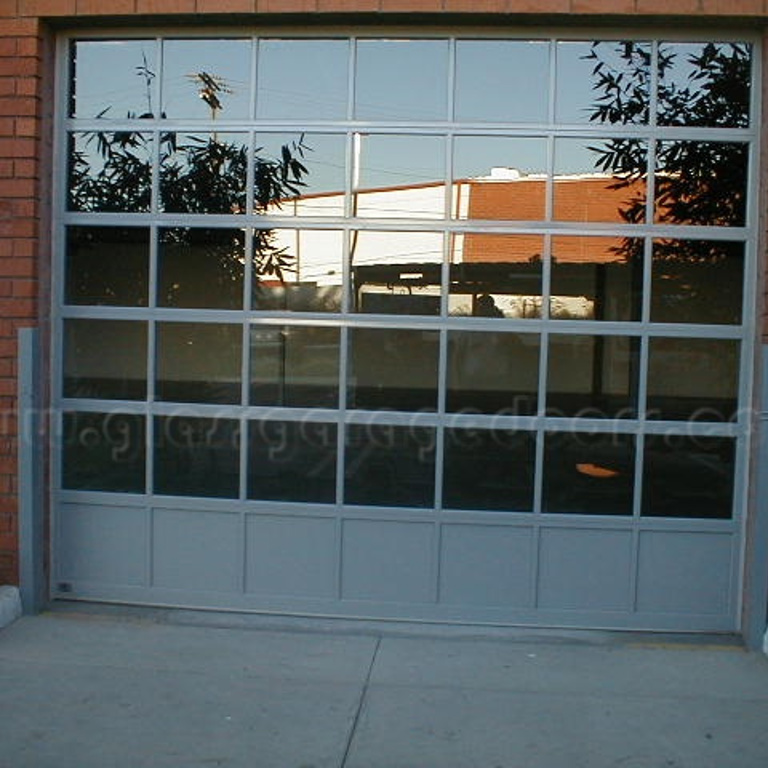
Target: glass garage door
442, 328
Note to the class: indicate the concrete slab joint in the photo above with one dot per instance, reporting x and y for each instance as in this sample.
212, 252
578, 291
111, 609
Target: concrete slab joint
10, 605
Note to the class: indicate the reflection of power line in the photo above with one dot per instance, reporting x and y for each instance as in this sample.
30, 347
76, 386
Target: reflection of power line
301, 97
429, 255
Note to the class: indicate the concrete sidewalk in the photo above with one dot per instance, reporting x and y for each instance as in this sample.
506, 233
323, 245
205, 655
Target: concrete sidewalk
88, 687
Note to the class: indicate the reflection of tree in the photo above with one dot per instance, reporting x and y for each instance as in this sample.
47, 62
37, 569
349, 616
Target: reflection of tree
111, 171
696, 182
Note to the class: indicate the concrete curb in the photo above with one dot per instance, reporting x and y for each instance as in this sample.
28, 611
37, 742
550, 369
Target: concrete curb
10, 605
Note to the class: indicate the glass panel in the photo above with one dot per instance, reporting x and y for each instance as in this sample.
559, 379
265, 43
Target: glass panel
295, 366
492, 372
489, 469
499, 177
302, 79
588, 474
389, 466
600, 180
109, 172
495, 275
197, 457
107, 266
693, 379
393, 369
697, 281
592, 376
201, 268
705, 84
292, 461
603, 81
204, 173
206, 79
687, 476
596, 278
320, 189
105, 359
298, 270
701, 182
514, 76
104, 452
401, 177
396, 273
127, 91
401, 80
198, 362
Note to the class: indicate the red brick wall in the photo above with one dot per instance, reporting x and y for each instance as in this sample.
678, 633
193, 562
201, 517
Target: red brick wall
23, 31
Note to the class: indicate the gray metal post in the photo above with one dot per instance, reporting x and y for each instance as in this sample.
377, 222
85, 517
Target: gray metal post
31, 523
756, 619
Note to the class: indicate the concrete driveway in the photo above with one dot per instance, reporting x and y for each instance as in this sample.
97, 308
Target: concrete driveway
97, 687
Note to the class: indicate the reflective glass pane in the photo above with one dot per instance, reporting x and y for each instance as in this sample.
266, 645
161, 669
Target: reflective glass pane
105, 359
396, 273
113, 78
400, 177
688, 476
302, 79
389, 466
295, 365
596, 278
200, 268
489, 469
588, 474
697, 281
107, 266
491, 372
605, 81
495, 275
704, 84
600, 180
206, 79
499, 177
401, 80
592, 376
319, 190
109, 172
198, 362
298, 270
204, 173
392, 369
197, 457
292, 461
701, 183
515, 81
694, 379
104, 452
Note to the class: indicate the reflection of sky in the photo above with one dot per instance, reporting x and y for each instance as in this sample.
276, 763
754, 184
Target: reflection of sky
106, 77
396, 79
227, 59
502, 80
324, 158
575, 92
387, 160
402, 80
302, 79
477, 155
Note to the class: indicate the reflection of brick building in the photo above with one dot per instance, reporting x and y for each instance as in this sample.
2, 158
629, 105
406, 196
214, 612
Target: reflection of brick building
583, 198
